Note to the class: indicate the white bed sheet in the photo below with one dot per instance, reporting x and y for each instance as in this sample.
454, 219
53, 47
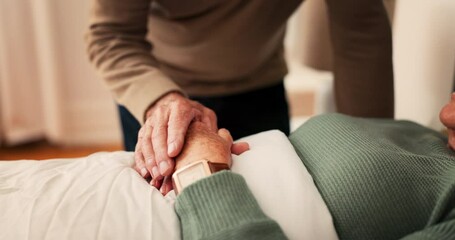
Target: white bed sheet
101, 197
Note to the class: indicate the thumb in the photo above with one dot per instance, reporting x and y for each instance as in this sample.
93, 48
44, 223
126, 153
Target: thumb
236, 148
240, 147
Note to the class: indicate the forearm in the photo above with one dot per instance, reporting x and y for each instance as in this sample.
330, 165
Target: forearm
362, 44
222, 207
117, 46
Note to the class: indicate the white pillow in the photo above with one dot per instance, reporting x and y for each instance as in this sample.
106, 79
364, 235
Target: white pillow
101, 197
283, 187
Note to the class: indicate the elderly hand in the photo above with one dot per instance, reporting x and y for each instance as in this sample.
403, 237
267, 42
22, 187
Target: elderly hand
162, 136
447, 116
202, 143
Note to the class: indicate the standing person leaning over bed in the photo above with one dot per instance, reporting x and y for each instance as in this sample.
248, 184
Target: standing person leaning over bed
380, 179
221, 63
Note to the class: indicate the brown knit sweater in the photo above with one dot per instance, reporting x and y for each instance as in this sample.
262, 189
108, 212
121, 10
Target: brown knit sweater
144, 49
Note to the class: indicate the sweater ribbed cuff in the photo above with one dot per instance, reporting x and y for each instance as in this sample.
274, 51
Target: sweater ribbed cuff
217, 203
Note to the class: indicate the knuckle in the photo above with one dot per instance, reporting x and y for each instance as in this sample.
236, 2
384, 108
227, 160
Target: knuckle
196, 113
156, 116
161, 110
197, 105
149, 161
148, 123
182, 104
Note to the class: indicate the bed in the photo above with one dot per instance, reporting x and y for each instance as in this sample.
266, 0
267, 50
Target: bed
101, 197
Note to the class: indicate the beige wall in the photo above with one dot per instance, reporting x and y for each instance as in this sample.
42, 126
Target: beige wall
308, 39
424, 58
424, 54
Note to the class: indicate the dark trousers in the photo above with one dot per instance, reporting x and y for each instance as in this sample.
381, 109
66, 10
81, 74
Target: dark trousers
242, 114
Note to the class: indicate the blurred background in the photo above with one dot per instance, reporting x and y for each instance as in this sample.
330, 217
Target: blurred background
52, 103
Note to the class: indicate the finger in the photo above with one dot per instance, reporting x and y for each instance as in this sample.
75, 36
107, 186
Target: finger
177, 128
159, 139
239, 148
139, 160
166, 187
137, 169
138, 157
210, 119
163, 161
156, 183
148, 153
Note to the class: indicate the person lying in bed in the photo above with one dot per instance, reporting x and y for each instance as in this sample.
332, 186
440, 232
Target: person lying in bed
380, 179
370, 179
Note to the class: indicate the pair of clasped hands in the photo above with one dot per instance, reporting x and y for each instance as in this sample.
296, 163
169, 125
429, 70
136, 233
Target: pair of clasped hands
177, 132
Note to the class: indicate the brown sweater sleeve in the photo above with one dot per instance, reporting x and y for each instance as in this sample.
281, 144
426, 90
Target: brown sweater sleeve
117, 46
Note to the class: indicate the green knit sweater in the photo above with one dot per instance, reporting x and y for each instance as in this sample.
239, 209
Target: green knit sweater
380, 179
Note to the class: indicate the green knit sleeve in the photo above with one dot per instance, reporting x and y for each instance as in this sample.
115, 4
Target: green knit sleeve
222, 207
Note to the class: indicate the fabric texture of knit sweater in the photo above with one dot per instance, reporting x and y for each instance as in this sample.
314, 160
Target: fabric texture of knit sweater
144, 49
381, 179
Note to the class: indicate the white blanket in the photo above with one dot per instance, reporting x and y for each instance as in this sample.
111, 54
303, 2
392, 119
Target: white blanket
101, 197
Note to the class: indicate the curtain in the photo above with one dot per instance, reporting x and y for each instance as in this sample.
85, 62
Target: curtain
47, 87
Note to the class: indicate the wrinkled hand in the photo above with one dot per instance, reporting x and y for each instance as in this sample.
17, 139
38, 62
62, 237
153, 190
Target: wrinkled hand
162, 136
203, 143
